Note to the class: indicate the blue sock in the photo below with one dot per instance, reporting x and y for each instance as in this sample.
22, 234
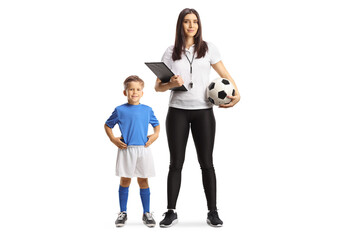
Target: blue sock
145, 199
123, 198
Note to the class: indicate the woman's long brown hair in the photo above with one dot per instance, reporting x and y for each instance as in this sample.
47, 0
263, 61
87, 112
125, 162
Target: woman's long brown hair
179, 47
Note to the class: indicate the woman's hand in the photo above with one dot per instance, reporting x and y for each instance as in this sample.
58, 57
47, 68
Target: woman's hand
120, 144
234, 100
176, 81
221, 70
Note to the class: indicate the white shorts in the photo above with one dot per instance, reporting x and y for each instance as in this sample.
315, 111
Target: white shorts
135, 161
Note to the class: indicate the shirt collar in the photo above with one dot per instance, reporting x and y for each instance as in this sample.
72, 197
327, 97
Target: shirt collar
190, 48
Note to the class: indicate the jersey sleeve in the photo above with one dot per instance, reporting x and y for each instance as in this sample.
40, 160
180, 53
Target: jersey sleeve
167, 57
113, 119
153, 120
214, 54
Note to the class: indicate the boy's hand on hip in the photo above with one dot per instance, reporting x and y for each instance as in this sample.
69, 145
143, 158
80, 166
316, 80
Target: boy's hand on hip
120, 144
151, 139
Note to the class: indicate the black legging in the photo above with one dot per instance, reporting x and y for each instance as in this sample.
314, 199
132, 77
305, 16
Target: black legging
202, 125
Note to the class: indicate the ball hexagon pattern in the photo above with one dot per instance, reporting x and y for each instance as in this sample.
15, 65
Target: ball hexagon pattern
218, 90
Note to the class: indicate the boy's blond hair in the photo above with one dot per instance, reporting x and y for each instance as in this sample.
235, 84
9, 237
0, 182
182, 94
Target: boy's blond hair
133, 78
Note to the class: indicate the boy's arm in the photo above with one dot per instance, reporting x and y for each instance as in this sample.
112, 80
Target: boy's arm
153, 136
113, 139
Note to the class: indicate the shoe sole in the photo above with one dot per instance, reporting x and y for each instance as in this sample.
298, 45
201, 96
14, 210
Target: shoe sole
150, 225
120, 224
212, 225
172, 224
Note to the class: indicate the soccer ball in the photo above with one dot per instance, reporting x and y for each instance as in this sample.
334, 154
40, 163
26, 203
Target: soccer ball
218, 90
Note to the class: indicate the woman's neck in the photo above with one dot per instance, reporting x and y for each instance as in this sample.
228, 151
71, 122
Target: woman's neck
189, 42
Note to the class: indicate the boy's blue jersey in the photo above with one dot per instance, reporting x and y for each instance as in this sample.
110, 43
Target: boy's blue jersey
133, 121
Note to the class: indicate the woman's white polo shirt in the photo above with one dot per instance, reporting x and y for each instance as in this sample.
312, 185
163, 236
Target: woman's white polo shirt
195, 97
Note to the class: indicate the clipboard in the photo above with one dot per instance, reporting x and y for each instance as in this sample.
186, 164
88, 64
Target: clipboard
163, 73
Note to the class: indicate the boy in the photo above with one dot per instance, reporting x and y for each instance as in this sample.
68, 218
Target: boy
134, 157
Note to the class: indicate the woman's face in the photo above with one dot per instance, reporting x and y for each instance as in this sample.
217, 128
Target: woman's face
190, 25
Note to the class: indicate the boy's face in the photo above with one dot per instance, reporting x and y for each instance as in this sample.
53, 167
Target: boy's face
134, 92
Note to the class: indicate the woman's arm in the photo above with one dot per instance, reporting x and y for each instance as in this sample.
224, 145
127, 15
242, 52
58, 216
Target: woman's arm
175, 81
221, 70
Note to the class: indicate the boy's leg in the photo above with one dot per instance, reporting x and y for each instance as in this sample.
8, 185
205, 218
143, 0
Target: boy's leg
124, 193
144, 193
147, 218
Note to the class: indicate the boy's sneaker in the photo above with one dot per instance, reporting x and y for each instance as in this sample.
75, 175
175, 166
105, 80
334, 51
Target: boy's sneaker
120, 221
169, 220
213, 219
148, 219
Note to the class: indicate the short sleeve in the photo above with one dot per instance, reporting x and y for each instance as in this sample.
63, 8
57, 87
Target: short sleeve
153, 120
214, 54
167, 57
112, 120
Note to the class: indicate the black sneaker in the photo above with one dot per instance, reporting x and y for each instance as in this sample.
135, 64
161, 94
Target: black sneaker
148, 219
120, 221
169, 220
213, 219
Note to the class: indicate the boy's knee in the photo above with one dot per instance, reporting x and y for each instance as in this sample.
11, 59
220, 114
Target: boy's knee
125, 182
143, 182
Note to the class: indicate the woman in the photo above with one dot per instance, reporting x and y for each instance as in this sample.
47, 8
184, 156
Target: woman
191, 60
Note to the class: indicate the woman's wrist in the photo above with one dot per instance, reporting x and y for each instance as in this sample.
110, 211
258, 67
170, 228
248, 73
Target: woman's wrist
172, 85
168, 85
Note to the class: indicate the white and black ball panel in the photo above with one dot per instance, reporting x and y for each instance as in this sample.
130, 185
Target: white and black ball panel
211, 85
218, 90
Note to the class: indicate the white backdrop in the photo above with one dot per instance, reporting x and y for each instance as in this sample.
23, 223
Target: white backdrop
286, 157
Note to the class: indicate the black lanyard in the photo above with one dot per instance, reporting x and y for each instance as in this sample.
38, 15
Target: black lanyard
191, 82
190, 62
